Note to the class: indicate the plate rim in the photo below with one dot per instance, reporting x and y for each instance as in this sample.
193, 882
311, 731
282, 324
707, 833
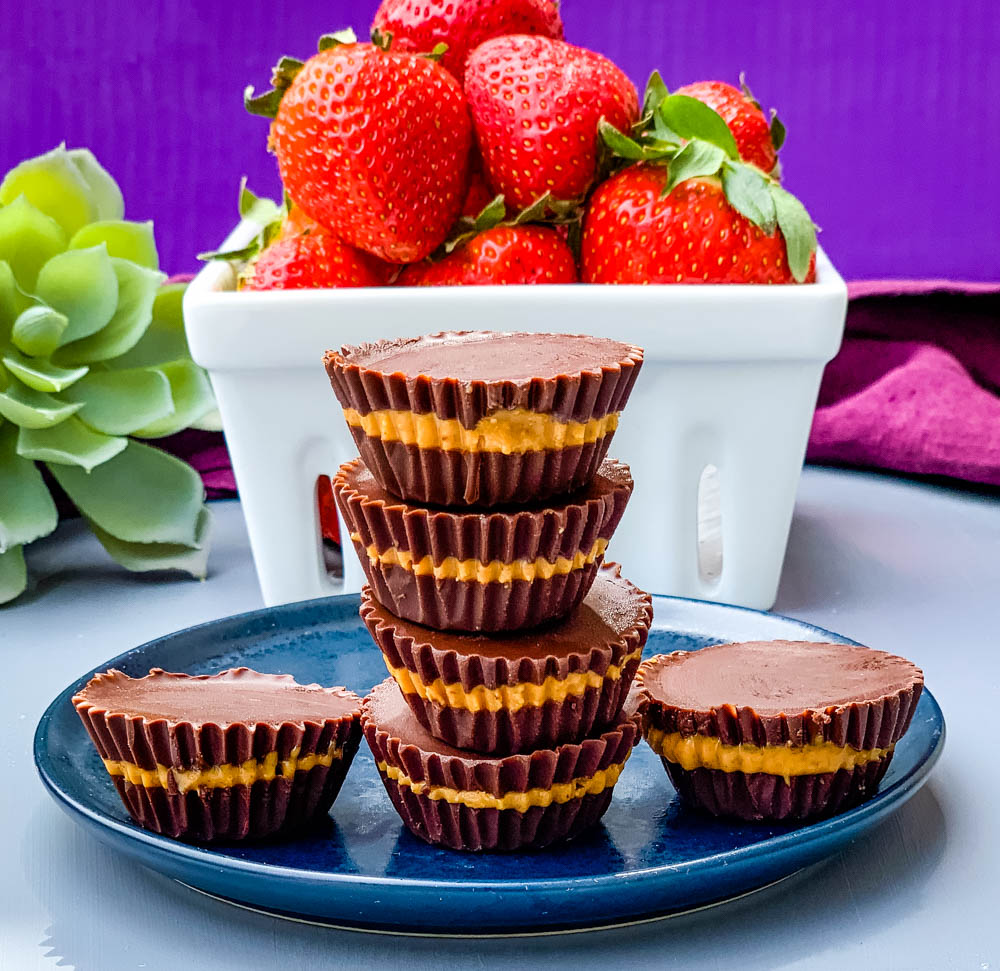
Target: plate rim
870, 811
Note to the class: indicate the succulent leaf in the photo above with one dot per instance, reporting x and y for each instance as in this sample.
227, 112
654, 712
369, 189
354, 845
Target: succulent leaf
104, 191
120, 402
12, 301
82, 285
28, 240
28, 408
55, 185
13, 574
93, 349
70, 442
191, 395
192, 559
27, 511
39, 374
137, 288
124, 239
38, 330
164, 339
161, 503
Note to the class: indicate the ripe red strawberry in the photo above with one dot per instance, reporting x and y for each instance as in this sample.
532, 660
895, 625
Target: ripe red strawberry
479, 194
374, 146
314, 260
419, 25
743, 116
535, 104
693, 235
504, 254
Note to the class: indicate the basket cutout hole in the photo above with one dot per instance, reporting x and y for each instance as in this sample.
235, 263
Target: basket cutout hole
710, 525
329, 526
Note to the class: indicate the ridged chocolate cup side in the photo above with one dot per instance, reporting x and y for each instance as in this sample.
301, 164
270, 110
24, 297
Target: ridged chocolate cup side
761, 797
480, 479
576, 396
505, 731
533, 726
492, 830
559, 530
235, 812
461, 827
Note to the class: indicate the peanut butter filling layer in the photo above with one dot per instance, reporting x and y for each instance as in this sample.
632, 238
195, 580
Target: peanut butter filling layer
222, 776
509, 432
496, 571
706, 752
521, 802
513, 697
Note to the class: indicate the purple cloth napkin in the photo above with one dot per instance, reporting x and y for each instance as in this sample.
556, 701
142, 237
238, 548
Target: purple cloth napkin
914, 389
916, 385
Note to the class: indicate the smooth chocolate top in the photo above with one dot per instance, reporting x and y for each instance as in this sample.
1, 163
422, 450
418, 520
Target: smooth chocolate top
777, 677
611, 475
613, 607
237, 696
490, 356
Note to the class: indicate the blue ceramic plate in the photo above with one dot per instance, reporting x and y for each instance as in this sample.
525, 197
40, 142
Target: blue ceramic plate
361, 868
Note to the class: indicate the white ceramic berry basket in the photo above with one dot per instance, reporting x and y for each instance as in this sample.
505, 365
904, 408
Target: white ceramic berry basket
715, 430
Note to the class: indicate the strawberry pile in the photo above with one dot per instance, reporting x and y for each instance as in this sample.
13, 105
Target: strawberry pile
468, 144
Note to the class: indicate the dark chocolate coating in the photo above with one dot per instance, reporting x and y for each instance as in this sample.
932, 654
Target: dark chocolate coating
783, 692
547, 532
610, 624
439, 477
760, 797
241, 812
780, 693
185, 722
397, 739
468, 375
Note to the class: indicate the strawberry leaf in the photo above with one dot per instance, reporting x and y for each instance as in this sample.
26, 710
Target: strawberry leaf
656, 91
777, 131
695, 159
282, 75
256, 209
337, 39
798, 229
748, 193
265, 105
619, 143
383, 41
492, 214
745, 88
438, 51
691, 118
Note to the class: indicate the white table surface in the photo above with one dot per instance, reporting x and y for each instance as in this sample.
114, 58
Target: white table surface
908, 568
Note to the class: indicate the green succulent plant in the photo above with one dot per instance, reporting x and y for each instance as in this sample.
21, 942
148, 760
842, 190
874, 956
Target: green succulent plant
93, 363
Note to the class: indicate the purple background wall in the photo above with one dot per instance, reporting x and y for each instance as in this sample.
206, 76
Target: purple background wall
891, 106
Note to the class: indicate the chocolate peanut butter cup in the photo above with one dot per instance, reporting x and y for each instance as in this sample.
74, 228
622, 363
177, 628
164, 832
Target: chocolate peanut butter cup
513, 692
466, 802
777, 730
229, 756
483, 419
498, 570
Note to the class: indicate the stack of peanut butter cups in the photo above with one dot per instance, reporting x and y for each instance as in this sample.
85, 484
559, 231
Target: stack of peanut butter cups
481, 509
